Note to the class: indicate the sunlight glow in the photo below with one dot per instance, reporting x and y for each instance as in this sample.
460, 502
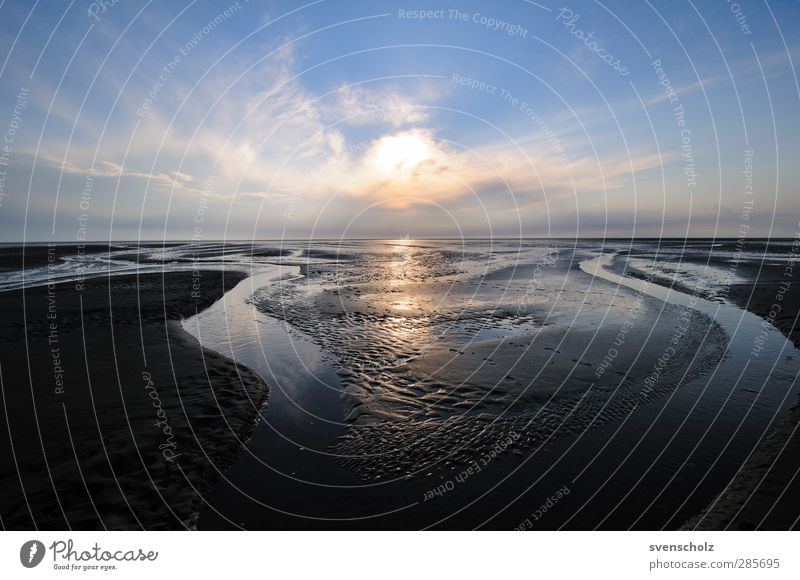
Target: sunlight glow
401, 153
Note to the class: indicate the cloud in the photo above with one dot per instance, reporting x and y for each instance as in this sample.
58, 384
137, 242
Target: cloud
362, 105
168, 180
265, 136
446, 172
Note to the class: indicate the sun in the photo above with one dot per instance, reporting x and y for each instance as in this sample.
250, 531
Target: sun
401, 153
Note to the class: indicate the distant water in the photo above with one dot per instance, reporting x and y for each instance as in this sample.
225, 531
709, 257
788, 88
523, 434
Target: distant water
130, 257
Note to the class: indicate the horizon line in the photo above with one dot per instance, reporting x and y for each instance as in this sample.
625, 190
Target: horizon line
424, 238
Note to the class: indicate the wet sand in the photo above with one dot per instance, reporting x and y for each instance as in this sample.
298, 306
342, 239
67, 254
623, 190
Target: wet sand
117, 418
764, 493
438, 367
13, 258
428, 358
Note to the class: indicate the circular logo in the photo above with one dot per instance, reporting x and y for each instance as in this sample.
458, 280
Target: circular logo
31, 553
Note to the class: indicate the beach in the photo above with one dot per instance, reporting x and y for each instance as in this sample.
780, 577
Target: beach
762, 495
117, 418
454, 385
442, 351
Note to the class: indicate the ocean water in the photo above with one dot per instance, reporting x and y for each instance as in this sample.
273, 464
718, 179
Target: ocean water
440, 383
408, 362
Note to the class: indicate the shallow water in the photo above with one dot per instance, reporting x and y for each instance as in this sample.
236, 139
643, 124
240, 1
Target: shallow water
766, 368
740, 401
378, 341
398, 367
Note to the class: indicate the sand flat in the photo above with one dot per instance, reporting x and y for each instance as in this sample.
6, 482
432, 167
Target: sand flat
145, 419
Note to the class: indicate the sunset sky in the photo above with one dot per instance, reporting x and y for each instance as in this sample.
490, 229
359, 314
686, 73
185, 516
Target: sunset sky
379, 119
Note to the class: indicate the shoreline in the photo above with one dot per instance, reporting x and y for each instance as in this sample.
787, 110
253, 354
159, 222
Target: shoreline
759, 496
756, 497
147, 370
120, 419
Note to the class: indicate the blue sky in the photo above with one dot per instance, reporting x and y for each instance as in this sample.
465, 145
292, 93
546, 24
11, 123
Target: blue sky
379, 119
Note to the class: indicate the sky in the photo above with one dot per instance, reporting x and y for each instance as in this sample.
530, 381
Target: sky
368, 119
